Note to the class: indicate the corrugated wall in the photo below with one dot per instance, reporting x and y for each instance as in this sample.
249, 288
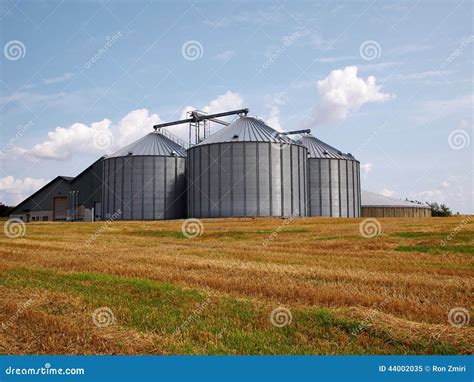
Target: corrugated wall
395, 212
333, 187
145, 187
247, 179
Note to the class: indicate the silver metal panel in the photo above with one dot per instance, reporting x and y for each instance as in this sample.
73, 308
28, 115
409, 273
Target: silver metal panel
127, 188
137, 188
251, 192
238, 180
181, 204
264, 178
214, 174
160, 193
286, 181
343, 186
350, 189
276, 179
196, 180
149, 181
295, 183
226, 179
314, 186
205, 181
106, 188
170, 187
334, 188
325, 188
116, 196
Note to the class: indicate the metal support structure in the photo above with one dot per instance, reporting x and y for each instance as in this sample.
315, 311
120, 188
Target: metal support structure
294, 132
199, 120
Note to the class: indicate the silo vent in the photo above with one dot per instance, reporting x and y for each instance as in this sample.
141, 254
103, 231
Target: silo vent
130, 153
235, 137
325, 152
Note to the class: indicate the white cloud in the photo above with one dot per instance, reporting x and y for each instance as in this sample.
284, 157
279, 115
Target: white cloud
387, 192
14, 190
225, 55
63, 142
273, 102
343, 92
366, 168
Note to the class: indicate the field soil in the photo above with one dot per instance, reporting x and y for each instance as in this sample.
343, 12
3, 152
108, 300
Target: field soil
244, 286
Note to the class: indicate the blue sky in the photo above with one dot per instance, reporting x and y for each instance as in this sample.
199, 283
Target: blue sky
391, 82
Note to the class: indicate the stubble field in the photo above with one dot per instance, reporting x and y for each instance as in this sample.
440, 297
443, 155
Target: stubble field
245, 286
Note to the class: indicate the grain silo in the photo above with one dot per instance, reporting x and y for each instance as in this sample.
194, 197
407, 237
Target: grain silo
333, 180
247, 169
146, 180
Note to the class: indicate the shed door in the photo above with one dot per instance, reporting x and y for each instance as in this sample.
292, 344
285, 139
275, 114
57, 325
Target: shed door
60, 208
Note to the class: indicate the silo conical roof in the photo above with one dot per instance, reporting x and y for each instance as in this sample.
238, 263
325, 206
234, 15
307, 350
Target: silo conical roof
319, 149
247, 129
152, 144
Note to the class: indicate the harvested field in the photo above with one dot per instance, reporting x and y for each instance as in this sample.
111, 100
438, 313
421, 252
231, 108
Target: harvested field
215, 294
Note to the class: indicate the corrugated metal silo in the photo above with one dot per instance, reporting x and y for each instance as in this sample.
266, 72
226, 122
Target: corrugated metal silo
247, 169
146, 180
333, 180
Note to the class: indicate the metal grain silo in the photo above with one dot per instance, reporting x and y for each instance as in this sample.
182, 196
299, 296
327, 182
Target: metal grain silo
146, 180
247, 169
333, 180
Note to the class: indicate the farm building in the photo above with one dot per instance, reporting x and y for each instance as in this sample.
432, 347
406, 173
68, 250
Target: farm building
380, 206
246, 168
49, 203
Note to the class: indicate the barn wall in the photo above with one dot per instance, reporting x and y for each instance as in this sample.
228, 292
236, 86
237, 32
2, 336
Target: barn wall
395, 212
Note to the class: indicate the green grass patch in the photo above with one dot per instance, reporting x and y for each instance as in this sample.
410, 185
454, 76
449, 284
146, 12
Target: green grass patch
217, 324
436, 249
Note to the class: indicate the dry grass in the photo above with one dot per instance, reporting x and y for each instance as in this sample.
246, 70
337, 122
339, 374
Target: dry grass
399, 286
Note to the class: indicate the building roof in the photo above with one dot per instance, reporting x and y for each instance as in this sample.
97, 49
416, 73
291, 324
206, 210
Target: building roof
83, 172
247, 129
371, 199
319, 149
153, 143
67, 179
